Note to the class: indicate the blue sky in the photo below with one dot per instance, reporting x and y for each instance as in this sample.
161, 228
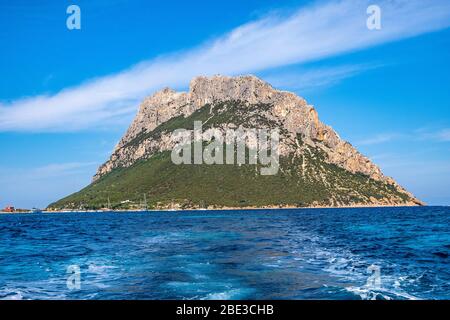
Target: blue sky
67, 96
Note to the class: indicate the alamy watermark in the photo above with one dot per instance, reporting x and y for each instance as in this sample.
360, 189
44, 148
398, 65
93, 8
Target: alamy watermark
230, 146
374, 20
73, 281
374, 280
73, 21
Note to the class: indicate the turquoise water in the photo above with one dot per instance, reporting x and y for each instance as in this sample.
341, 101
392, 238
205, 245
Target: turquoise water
242, 254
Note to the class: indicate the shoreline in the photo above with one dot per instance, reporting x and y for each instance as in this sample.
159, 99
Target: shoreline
225, 209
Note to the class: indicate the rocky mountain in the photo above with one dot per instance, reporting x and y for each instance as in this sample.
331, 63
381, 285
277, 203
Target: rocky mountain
317, 167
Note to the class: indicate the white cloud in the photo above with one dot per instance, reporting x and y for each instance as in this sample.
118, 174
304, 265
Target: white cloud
444, 135
60, 169
304, 80
311, 33
427, 134
421, 134
380, 138
8, 175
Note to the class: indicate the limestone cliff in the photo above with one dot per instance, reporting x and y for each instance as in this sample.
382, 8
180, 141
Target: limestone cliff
250, 102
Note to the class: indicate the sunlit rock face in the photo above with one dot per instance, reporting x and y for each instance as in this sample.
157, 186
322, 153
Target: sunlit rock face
262, 106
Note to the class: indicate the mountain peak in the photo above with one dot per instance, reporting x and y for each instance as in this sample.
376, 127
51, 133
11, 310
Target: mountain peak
314, 157
167, 103
221, 81
247, 88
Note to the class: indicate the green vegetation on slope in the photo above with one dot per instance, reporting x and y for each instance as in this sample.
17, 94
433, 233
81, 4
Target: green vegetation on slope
194, 186
305, 177
212, 116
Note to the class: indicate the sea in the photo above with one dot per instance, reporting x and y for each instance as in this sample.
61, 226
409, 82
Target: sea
337, 254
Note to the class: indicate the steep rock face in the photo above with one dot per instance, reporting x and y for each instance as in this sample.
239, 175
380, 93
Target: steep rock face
155, 110
295, 115
317, 167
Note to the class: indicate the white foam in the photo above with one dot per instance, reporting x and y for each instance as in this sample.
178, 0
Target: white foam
11, 294
228, 295
349, 267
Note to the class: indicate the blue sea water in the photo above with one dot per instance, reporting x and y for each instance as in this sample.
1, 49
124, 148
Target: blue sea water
241, 254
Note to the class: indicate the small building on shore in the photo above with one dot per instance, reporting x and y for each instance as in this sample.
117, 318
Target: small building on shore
9, 209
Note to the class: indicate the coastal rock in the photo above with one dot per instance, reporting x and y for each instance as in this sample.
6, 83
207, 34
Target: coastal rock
295, 114
251, 102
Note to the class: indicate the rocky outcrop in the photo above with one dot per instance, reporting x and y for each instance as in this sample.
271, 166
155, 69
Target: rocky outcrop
294, 115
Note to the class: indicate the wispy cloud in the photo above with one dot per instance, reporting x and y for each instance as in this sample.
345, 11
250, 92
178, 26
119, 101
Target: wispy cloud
60, 169
309, 34
305, 80
7, 175
441, 135
380, 138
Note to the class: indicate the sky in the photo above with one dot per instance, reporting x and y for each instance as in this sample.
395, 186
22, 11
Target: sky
67, 96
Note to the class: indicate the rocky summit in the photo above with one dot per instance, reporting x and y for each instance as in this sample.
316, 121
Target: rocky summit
316, 167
